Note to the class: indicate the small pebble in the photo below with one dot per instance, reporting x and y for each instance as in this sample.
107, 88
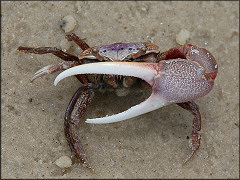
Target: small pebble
64, 162
182, 36
68, 23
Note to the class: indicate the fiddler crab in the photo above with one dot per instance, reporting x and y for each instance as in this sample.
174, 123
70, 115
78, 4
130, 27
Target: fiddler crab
179, 75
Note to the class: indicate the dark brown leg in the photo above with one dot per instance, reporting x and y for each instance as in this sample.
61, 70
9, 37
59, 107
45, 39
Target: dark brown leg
82, 44
196, 126
44, 50
74, 112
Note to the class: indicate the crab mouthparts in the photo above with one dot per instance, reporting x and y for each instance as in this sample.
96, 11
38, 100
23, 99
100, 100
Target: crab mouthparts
145, 71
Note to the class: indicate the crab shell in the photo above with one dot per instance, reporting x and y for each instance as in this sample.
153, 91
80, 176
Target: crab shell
119, 51
172, 81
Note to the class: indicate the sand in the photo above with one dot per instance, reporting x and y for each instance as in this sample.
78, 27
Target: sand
153, 145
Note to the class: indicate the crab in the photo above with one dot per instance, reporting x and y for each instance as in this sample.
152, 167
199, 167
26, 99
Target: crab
177, 76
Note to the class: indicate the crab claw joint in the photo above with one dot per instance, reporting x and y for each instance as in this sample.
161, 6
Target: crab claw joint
172, 81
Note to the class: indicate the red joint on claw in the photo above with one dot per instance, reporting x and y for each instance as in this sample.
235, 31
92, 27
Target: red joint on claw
211, 75
174, 54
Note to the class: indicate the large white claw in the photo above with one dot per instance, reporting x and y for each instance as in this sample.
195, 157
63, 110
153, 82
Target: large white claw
145, 71
135, 69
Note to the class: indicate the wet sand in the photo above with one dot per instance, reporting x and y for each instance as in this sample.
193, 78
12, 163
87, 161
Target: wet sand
153, 145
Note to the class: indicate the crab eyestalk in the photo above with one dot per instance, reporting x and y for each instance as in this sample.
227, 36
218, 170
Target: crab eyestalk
172, 81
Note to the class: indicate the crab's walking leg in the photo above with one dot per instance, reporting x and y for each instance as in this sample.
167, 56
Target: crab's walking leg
196, 126
74, 112
45, 50
82, 44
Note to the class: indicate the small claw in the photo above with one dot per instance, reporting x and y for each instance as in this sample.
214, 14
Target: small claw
53, 68
41, 72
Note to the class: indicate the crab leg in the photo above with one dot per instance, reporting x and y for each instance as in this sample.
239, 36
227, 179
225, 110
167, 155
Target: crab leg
80, 42
196, 126
55, 51
76, 108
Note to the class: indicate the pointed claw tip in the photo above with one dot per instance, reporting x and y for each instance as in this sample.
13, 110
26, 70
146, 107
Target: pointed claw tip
55, 82
97, 121
90, 121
